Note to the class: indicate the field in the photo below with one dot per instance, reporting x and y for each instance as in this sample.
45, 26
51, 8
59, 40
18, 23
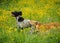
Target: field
44, 11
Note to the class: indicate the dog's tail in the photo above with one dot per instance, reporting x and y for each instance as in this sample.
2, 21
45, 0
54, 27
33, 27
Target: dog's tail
52, 25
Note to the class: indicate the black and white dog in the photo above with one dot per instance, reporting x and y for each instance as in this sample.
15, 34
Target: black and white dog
23, 23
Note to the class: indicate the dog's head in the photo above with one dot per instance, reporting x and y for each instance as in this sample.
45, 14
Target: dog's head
15, 13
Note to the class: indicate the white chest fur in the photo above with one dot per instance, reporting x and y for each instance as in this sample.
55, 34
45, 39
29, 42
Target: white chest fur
24, 23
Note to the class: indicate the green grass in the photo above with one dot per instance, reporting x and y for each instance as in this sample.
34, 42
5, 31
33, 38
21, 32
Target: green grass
44, 11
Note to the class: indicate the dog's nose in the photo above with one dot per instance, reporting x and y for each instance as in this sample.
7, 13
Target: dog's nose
12, 14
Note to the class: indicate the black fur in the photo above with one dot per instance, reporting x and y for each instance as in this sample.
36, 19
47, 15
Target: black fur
20, 19
15, 13
22, 23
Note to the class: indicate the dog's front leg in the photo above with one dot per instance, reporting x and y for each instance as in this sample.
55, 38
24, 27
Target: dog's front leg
19, 27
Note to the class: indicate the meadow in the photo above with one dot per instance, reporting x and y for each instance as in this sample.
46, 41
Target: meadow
44, 11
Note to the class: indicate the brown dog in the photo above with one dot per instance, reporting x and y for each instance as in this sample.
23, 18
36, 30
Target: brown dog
38, 26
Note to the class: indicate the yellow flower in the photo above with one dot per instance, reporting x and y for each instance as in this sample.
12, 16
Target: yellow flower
41, 12
58, 12
1, 18
21, 30
47, 6
26, 10
5, 12
15, 29
42, 1
9, 30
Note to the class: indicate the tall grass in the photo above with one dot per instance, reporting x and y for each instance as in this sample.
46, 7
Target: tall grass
44, 11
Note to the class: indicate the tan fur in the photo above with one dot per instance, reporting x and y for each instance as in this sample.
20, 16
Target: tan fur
46, 26
52, 25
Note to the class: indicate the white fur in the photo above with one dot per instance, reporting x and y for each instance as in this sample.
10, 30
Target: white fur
24, 23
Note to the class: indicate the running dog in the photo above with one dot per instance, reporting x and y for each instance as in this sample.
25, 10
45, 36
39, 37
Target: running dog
23, 23
47, 26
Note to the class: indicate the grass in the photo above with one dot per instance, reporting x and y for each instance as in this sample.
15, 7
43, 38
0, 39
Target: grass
44, 11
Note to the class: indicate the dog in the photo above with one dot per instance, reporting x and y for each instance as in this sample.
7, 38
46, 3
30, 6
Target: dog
47, 26
24, 23
35, 25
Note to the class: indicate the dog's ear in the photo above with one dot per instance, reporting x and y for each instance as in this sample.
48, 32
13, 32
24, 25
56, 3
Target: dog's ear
15, 13
20, 13
20, 19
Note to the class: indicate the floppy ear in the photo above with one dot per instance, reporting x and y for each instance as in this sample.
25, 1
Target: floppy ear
20, 13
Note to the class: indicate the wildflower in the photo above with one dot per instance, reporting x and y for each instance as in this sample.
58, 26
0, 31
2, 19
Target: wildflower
9, 30
21, 30
15, 29
47, 6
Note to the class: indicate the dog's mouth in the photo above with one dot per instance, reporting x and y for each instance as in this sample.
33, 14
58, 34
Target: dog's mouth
13, 15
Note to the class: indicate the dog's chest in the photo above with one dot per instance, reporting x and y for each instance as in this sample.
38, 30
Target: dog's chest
24, 23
